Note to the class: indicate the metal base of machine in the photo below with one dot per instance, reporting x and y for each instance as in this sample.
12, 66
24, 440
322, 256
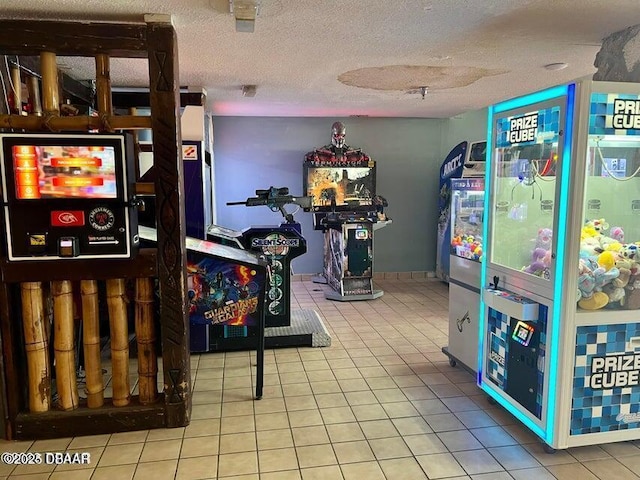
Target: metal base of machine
306, 330
352, 298
455, 362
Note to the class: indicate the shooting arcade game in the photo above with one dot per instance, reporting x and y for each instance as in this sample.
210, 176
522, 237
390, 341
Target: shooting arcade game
341, 182
464, 212
68, 196
560, 332
278, 245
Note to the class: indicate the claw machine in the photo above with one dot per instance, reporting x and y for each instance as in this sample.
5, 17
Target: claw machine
465, 249
560, 328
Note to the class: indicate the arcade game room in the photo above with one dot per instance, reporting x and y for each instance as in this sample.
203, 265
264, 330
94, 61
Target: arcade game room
300, 240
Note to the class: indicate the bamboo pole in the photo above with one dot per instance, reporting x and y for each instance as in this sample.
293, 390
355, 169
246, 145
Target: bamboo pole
33, 87
64, 345
119, 342
16, 88
50, 86
79, 123
36, 346
103, 85
146, 339
91, 343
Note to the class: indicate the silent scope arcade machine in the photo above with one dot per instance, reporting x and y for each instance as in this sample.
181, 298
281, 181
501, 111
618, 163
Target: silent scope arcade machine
465, 249
278, 245
560, 338
68, 197
345, 207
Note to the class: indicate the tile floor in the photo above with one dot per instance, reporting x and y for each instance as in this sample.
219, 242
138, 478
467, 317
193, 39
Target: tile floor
381, 403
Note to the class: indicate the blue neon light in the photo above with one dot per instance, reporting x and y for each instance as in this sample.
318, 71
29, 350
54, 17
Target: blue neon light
554, 348
569, 90
536, 97
485, 235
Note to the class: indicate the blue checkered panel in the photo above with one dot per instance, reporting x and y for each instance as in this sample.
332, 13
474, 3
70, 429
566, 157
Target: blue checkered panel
499, 340
498, 335
601, 114
596, 408
547, 130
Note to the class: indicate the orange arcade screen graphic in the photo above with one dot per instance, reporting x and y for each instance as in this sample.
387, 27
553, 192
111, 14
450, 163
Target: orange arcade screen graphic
70, 171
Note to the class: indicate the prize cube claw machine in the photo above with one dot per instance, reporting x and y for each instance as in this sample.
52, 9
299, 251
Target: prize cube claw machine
560, 328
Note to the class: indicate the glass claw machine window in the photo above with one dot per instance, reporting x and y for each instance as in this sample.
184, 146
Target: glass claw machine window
609, 259
467, 213
524, 186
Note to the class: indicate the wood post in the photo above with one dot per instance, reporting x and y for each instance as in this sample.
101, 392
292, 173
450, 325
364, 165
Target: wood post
169, 186
63, 342
91, 343
119, 342
37, 347
146, 339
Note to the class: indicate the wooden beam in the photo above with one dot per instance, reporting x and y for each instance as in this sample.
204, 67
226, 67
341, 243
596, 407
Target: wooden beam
79, 124
171, 224
30, 37
141, 99
89, 421
143, 265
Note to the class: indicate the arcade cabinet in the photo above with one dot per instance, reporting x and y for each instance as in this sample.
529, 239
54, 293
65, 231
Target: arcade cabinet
226, 298
68, 197
278, 245
464, 248
341, 182
559, 330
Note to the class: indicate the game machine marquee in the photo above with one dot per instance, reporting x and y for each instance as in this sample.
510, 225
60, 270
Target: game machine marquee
346, 208
68, 196
560, 337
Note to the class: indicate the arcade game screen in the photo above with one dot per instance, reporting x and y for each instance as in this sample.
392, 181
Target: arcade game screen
70, 171
350, 186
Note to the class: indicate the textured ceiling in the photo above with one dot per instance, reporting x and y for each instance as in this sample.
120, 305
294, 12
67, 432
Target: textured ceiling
361, 57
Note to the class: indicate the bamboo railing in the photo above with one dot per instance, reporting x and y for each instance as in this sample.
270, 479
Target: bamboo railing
36, 335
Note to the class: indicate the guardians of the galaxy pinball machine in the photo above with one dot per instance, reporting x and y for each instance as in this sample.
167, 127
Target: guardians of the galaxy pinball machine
226, 301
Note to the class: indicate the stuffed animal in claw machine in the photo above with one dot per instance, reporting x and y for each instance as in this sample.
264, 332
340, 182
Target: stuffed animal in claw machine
544, 238
589, 298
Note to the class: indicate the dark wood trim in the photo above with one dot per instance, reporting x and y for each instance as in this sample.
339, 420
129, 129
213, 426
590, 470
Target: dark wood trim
11, 388
30, 37
171, 224
142, 265
90, 421
141, 99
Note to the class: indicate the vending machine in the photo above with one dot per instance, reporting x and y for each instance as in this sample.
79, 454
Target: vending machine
560, 332
466, 252
68, 197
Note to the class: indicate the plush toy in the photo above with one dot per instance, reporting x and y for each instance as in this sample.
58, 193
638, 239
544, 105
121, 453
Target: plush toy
617, 234
630, 251
544, 238
590, 298
588, 232
599, 225
590, 246
632, 291
537, 265
607, 260
616, 296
